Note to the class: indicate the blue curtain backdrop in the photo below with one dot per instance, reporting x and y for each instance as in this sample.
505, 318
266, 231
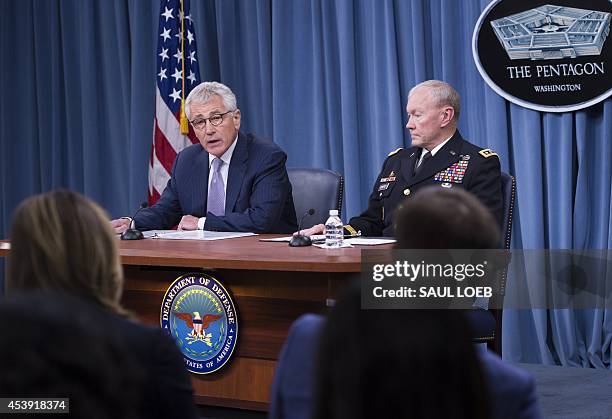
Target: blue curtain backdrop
327, 80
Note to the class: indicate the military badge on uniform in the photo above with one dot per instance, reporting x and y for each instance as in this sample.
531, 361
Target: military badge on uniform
390, 178
198, 312
454, 173
383, 187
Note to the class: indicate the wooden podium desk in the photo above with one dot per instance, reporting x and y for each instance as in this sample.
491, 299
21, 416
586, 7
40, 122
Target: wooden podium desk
271, 284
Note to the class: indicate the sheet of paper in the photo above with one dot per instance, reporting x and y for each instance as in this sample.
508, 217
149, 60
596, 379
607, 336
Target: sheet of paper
364, 241
194, 234
288, 238
322, 245
354, 241
156, 234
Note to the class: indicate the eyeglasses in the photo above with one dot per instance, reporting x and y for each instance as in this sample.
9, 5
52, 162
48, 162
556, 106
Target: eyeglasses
214, 120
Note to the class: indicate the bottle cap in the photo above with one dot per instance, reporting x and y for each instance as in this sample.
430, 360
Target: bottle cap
333, 212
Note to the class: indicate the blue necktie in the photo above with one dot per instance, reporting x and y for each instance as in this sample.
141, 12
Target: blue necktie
216, 190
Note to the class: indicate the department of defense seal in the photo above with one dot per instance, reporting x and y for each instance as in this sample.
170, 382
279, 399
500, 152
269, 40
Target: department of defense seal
198, 312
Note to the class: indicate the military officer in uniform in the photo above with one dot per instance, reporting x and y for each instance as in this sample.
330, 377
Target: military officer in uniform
438, 156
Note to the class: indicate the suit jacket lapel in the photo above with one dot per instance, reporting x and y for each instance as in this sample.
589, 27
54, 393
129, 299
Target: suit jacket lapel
407, 165
200, 190
235, 176
445, 157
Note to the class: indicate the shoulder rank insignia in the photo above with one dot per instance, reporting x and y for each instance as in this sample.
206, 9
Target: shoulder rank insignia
487, 152
351, 230
395, 152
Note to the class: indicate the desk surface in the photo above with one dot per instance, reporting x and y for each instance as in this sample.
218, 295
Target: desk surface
240, 253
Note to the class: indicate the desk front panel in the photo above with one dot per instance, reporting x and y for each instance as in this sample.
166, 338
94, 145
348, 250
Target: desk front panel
267, 302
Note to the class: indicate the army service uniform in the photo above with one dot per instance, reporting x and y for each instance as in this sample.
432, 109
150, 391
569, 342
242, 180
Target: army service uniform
458, 164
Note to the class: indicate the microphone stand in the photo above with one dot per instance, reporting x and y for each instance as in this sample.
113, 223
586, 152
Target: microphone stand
132, 233
299, 240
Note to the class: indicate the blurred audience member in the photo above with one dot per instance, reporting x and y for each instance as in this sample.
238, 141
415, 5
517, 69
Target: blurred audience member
52, 346
403, 363
397, 364
445, 219
62, 243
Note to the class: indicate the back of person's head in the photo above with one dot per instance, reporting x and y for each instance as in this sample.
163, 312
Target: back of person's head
437, 218
53, 347
397, 364
63, 242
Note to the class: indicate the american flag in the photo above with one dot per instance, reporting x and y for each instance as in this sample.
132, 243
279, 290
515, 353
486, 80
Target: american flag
177, 73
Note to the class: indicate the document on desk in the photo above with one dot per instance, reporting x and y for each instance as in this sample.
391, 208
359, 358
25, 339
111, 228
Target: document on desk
287, 239
365, 241
350, 240
194, 235
358, 241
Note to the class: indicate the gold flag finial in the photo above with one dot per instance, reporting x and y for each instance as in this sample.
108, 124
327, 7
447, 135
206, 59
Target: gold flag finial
184, 121
183, 116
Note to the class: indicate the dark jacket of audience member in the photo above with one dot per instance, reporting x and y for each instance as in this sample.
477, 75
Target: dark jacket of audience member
61, 242
397, 364
512, 390
55, 346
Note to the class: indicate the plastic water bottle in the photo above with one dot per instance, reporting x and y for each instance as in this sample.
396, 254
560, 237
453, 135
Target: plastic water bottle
334, 231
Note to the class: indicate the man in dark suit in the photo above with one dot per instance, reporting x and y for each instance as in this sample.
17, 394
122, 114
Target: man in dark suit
438, 156
231, 181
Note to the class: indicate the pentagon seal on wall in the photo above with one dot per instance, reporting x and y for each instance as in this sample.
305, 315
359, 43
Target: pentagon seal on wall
550, 56
199, 313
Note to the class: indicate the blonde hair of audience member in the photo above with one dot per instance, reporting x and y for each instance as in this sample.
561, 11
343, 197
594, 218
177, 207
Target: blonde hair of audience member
62, 242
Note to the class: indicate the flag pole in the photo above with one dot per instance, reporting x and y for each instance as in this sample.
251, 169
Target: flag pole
183, 116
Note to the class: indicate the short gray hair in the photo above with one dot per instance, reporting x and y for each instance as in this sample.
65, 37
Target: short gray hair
205, 92
443, 93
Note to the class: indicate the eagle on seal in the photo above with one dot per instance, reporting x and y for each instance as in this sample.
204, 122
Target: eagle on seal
197, 323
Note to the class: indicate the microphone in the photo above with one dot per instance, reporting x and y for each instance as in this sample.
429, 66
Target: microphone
132, 233
299, 240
